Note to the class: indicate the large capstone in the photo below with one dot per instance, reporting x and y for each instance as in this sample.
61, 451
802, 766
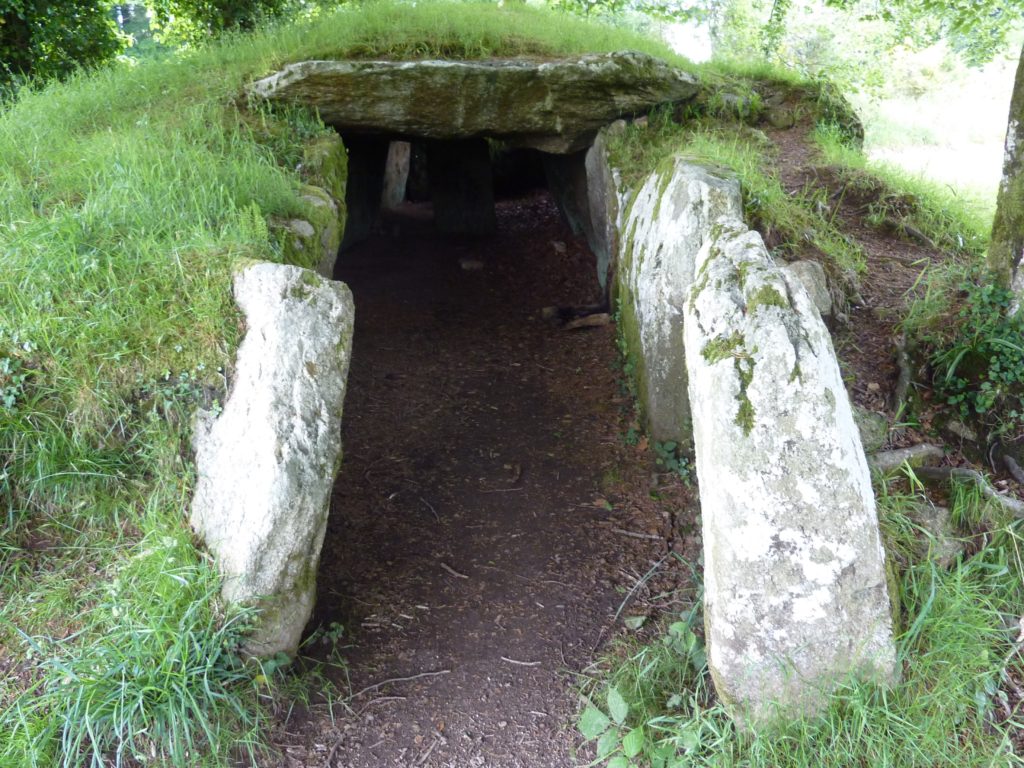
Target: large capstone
664, 226
795, 585
554, 106
266, 464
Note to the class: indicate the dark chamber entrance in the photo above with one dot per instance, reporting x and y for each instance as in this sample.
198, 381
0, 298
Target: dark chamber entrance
470, 546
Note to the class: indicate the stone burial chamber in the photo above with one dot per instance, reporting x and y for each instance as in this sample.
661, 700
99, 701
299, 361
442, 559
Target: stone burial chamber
450, 108
731, 356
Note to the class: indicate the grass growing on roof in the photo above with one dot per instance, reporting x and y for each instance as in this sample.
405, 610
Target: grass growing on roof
654, 704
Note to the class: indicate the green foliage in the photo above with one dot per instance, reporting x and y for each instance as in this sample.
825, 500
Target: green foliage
42, 40
666, 10
657, 678
977, 28
185, 21
948, 709
977, 357
671, 459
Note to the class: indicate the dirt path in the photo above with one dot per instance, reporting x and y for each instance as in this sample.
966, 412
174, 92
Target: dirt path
489, 518
866, 345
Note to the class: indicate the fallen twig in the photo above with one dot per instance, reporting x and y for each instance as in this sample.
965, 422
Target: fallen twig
453, 572
330, 755
431, 508
521, 663
636, 588
423, 758
945, 474
635, 535
500, 490
391, 680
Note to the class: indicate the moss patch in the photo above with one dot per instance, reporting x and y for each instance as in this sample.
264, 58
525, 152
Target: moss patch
722, 347
745, 413
766, 296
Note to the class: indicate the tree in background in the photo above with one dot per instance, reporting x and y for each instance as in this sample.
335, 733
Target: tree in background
43, 40
189, 21
978, 30
1007, 246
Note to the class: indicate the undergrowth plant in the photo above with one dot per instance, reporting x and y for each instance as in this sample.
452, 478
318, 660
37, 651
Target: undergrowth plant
654, 703
975, 351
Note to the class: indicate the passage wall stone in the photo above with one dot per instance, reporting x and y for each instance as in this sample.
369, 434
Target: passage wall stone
663, 228
795, 585
265, 466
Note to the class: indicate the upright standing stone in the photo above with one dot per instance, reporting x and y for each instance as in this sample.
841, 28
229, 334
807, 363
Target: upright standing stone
664, 226
603, 206
367, 156
396, 174
265, 467
795, 585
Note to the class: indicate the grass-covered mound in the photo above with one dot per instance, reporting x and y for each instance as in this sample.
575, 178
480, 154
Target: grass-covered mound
126, 198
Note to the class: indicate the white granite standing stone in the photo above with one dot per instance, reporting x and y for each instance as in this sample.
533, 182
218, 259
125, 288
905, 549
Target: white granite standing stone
663, 228
795, 582
265, 466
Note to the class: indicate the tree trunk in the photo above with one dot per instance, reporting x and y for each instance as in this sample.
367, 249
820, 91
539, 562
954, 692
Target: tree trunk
1007, 246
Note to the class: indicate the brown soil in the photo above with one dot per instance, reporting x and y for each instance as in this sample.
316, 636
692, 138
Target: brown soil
866, 344
489, 519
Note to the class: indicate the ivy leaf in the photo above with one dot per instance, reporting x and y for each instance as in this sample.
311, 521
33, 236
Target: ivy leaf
617, 706
592, 723
618, 762
633, 743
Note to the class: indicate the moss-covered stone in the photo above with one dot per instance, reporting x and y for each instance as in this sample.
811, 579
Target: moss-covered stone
325, 164
555, 106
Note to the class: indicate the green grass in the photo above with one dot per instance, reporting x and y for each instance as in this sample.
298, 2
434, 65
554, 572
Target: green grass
127, 196
957, 223
955, 645
788, 223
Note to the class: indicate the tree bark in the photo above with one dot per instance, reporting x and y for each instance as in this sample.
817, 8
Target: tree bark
1007, 246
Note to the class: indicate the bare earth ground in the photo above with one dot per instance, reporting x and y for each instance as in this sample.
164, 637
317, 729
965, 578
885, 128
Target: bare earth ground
489, 518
